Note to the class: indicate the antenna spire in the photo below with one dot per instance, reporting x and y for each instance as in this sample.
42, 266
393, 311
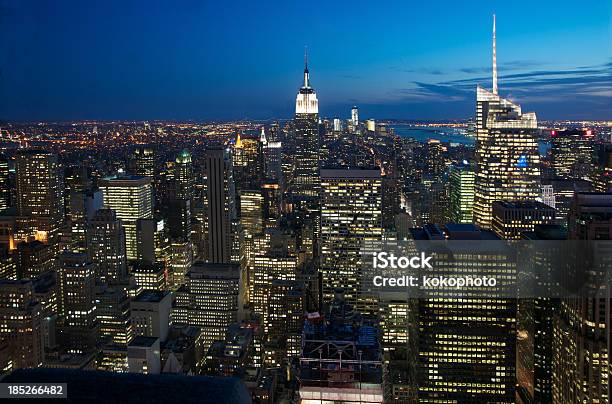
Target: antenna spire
494, 60
306, 75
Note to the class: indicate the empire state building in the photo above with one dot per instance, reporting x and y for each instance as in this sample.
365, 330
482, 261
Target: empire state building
306, 180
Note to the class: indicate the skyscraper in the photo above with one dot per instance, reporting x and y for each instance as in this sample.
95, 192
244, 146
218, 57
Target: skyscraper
4, 183
143, 160
507, 157
131, 199
461, 193
221, 206
351, 213
106, 246
573, 153
581, 328
306, 141
467, 344
211, 299
510, 219
80, 327
355, 116
40, 202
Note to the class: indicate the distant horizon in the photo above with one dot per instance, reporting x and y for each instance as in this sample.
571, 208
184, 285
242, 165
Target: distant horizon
70, 61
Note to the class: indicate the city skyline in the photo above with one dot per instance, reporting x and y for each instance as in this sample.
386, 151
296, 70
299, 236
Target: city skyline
113, 63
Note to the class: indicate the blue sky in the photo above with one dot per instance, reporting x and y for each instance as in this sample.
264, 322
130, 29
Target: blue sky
203, 60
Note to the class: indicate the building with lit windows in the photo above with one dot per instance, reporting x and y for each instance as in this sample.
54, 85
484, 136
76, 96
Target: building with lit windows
222, 217
507, 156
79, 331
466, 345
510, 219
462, 193
306, 138
149, 276
581, 327
572, 153
4, 183
106, 246
351, 214
150, 311
211, 299
21, 323
131, 198
40, 200
113, 313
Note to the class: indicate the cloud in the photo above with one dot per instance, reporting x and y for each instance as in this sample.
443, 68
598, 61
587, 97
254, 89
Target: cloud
579, 88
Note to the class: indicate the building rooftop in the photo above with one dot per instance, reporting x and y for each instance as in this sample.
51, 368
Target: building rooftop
151, 296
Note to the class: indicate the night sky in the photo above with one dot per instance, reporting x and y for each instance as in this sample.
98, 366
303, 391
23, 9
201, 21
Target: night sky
204, 60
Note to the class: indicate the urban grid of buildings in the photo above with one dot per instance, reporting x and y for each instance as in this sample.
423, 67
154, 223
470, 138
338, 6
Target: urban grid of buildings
235, 249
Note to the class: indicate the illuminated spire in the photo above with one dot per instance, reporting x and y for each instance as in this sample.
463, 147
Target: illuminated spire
306, 75
238, 144
262, 136
494, 60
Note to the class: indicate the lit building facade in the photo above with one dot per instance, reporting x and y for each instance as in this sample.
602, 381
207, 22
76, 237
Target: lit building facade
351, 214
131, 198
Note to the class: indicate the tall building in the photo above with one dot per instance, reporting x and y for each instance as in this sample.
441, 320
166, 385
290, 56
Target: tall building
351, 213
106, 246
462, 193
582, 333
131, 198
143, 161
573, 153
34, 259
306, 140
113, 314
21, 323
247, 162
211, 299
355, 116
221, 206
507, 156
5, 194
183, 176
80, 327
466, 344
510, 219
40, 200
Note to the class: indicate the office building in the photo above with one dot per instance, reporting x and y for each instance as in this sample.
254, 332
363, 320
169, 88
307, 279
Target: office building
573, 153
150, 311
221, 207
21, 324
40, 200
461, 193
510, 219
507, 156
306, 138
211, 299
106, 246
80, 327
351, 214
131, 199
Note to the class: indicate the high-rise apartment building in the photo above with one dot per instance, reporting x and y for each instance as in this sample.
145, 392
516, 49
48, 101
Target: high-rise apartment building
131, 198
